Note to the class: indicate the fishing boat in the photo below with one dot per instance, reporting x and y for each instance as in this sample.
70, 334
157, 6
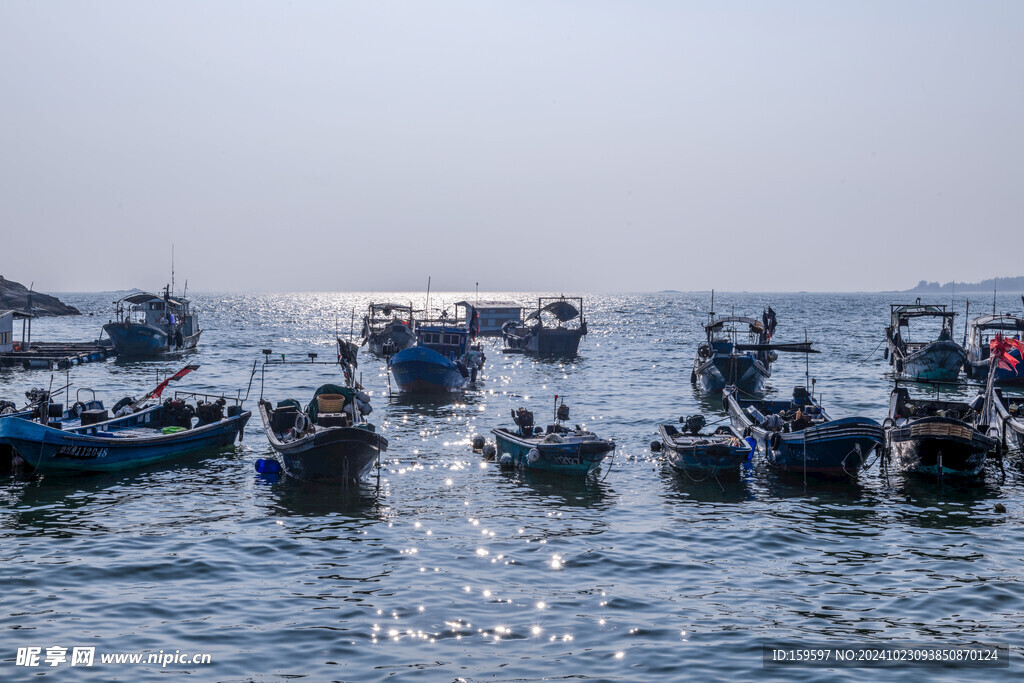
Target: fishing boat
544, 332
700, 455
935, 437
938, 360
556, 449
388, 328
154, 433
329, 441
442, 361
1006, 417
798, 436
150, 326
977, 339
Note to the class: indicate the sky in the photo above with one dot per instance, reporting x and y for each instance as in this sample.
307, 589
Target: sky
523, 145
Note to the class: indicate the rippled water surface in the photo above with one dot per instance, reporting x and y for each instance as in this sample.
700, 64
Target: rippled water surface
455, 569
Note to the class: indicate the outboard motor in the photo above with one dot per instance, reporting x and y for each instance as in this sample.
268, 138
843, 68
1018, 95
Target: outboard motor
563, 412
801, 396
178, 413
693, 423
524, 419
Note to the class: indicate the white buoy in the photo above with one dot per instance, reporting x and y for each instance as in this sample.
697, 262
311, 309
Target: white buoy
533, 455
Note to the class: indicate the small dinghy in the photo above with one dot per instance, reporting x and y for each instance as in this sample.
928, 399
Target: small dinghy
701, 455
330, 441
556, 448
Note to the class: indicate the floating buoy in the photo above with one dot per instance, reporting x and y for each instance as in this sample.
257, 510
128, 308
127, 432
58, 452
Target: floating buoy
490, 451
478, 443
533, 455
268, 466
655, 447
1000, 507
506, 461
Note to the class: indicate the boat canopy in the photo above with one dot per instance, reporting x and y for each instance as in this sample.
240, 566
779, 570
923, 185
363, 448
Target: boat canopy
904, 312
387, 308
718, 323
562, 310
998, 322
145, 297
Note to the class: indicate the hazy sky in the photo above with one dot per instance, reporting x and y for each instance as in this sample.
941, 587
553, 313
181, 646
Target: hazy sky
523, 145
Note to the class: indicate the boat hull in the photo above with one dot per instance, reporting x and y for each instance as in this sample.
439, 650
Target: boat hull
834, 448
139, 340
714, 374
939, 361
94, 448
573, 457
420, 370
545, 341
1010, 427
713, 457
978, 370
939, 446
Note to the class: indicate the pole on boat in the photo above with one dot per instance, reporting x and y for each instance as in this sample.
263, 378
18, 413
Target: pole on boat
967, 316
426, 307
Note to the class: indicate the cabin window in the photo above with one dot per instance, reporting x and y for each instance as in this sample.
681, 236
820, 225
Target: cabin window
452, 339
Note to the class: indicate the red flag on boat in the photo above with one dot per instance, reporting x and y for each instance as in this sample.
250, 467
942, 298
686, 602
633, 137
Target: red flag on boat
173, 378
999, 352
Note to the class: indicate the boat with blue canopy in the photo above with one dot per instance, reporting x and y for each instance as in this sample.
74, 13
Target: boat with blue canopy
555, 449
151, 326
799, 437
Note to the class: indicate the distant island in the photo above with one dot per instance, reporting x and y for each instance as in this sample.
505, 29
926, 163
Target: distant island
1000, 284
14, 296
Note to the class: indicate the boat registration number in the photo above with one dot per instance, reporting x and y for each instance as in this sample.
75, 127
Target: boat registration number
81, 452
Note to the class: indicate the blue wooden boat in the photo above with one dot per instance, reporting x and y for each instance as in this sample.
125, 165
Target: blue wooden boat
979, 333
556, 449
938, 360
937, 438
702, 455
156, 434
441, 361
150, 326
544, 332
798, 436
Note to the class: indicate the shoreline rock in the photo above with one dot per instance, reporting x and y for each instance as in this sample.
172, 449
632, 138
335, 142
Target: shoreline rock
14, 295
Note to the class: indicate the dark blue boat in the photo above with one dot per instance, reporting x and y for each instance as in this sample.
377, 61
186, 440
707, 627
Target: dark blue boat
441, 361
149, 326
155, 434
798, 436
938, 438
555, 449
702, 455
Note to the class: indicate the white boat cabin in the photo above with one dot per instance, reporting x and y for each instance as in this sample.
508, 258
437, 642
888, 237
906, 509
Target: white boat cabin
493, 314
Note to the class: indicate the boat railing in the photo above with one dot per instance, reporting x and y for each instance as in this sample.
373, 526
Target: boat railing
208, 398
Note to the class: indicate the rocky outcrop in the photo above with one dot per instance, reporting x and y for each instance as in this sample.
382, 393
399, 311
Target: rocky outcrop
14, 295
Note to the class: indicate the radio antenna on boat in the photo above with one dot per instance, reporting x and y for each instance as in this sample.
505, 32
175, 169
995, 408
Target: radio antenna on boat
993, 297
172, 269
426, 307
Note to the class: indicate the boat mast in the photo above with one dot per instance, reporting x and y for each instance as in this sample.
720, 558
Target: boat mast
172, 268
